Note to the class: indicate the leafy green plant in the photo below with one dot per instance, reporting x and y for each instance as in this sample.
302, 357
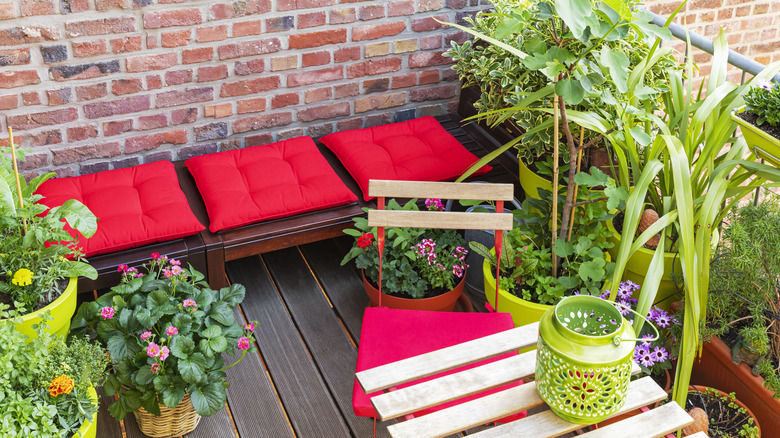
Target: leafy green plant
166, 332
44, 383
763, 100
30, 265
414, 261
727, 419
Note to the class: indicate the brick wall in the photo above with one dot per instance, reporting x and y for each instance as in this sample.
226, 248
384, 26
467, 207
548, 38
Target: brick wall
89, 85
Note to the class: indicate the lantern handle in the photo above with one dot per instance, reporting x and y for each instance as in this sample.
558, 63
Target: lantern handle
617, 340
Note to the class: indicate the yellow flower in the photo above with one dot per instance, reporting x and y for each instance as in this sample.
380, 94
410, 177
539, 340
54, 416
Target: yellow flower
60, 385
22, 277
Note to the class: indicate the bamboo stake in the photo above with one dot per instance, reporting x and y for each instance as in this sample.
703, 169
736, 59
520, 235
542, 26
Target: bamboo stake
555, 184
579, 164
16, 174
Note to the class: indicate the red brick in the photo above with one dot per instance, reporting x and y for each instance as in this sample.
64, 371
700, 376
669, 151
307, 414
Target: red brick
216, 33
347, 54
178, 77
176, 38
201, 54
126, 44
427, 59
317, 95
117, 106
152, 122
45, 138
249, 48
102, 26
89, 48
433, 93
379, 102
152, 41
172, 17
212, 131
404, 80
249, 86
31, 98
373, 67
219, 110
316, 58
19, 78
81, 132
285, 99
83, 153
349, 124
104, 5
243, 68
429, 77
181, 97
16, 36
235, 9
372, 12
151, 62
288, 5
260, 139
14, 57
184, 115
264, 121
316, 39
251, 105
214, 73
91, 92
36, 7
7, 11
244, 28
401, 7
312, 19
60, 97
376, 85
428, 24
153, 141
315, 76
343, 16
346, 90
324, 112
153, 82
46, 118
69, 6
430, 42
429, 5
83, 71
116, 127
374, 31
9, 101
279, 24
378, 119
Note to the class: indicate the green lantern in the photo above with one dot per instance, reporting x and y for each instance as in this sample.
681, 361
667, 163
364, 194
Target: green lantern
583, 359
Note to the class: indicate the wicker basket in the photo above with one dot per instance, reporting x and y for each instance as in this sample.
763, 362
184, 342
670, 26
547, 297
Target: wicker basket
172, 422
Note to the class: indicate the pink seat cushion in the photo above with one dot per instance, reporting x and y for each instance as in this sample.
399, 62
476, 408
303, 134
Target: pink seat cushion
258, 183
389, 335
415, 150
135, 206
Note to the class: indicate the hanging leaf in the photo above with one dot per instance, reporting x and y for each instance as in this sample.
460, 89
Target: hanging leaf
575, 14
570, 90
617, 63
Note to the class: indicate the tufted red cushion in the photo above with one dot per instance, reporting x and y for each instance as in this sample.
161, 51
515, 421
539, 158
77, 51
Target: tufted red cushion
415, 150
135, 206
258, 183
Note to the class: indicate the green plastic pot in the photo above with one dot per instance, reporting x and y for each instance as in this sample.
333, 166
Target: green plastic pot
62, 310
763, 144
531, 182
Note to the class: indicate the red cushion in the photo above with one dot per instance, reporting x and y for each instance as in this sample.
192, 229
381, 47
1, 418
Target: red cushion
415, 150
135, 206
389, 335
258, 183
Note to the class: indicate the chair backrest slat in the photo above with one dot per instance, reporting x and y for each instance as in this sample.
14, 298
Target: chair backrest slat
440, 219
441, 190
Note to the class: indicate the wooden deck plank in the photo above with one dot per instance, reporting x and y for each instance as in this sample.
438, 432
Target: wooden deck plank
651, 424
254, 404
107, 426
215, 426
342, 284
328, 342
306, 399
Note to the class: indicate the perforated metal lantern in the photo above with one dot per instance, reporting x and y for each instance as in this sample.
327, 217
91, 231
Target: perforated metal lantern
583, 359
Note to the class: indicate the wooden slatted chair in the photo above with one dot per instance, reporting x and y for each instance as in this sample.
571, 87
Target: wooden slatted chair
388, 335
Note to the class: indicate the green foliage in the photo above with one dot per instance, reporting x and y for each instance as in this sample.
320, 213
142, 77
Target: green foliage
763, 100
719, 417
167, 334
27, 409
26, 230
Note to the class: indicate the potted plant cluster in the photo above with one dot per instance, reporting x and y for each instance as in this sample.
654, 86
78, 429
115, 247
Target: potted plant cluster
36, 275
421, 268
759, 120
718, 414
47, 386
167, 334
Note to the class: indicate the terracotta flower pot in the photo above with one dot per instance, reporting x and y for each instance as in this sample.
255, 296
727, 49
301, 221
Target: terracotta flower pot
442, 303
738, 401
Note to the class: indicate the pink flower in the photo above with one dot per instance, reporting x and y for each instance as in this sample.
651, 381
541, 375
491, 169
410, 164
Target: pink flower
189, 302
176, 270
171, 330
155, 255
243, 343
167, 273
164, 352
250, 326
146, 335
107, 312
175, 262
155, 368
122, 268
153, 350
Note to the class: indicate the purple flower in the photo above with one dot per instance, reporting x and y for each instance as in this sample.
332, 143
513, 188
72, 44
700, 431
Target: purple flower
659, 354
647, 340
662, 319
646, 359
624, 291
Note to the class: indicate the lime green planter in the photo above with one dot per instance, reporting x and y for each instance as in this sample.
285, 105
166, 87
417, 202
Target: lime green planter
62, 310
764, 145
523, 312
89, 429
531, 182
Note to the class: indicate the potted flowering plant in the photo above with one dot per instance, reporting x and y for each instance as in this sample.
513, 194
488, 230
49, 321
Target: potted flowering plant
417, 263
760, 120
47, 386
167, 334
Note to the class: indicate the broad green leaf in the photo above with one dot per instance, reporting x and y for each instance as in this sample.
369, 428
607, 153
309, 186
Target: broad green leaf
639, 135
593, 179
193, 368
353, 232
617, 63
233, 295
182, 346
111, 385
172, 396
221, 313
592, 270
575, 14
208, 399
6, 199
218, 344
119, 347
212, 331
563, 248
156, 298
508, 26
570, 90
79, 217
144, 317
144, 375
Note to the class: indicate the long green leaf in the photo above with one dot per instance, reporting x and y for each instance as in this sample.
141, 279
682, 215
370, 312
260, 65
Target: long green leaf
517, 52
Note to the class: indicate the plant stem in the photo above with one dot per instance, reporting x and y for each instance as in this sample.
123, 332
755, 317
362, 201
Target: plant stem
579, 164
555, 184
243, 353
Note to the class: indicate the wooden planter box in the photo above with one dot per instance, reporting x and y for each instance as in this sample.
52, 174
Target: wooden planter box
716, 369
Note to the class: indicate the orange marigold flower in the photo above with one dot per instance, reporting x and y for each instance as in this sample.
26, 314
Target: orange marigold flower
60, 385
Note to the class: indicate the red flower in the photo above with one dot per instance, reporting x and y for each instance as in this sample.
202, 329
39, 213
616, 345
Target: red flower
365, 240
